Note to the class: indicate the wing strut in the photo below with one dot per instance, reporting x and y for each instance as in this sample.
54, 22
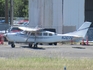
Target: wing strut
35, 43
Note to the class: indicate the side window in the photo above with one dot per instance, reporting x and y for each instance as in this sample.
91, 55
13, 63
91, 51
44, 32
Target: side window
50, 34
39, 34
33, 34
45, 34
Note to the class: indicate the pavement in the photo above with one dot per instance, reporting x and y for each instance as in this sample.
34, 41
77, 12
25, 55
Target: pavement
51, 51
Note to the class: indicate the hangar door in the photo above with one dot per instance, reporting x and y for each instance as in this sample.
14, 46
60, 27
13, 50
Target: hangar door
89, 17
89, 10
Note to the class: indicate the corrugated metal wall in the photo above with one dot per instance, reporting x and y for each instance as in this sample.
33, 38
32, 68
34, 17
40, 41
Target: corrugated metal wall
46, 13
56, 14
73, 13
41, 13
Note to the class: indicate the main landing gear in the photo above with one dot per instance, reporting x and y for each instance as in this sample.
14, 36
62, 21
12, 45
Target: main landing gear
30, 45
33, 45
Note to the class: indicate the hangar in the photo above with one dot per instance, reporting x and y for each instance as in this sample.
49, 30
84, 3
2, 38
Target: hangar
63, 15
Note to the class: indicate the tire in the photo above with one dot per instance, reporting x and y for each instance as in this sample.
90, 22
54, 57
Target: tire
35, 45
12, 45
50, 43
55, 43
30, 45
41, 44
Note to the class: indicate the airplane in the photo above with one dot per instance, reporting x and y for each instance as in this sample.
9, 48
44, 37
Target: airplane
33, 36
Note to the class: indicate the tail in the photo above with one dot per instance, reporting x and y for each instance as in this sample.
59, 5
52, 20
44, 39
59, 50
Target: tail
85, 25
82, 31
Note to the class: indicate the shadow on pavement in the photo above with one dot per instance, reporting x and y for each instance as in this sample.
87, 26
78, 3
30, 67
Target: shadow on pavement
33, 47
79, 47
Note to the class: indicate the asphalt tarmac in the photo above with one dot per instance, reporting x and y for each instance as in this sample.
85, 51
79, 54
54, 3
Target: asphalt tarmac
51, 51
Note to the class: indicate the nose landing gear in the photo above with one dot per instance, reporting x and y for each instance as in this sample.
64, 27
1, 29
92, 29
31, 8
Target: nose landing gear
12, 45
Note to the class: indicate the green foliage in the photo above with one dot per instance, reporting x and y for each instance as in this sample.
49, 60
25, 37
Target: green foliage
20, 8
40, 63
2, 8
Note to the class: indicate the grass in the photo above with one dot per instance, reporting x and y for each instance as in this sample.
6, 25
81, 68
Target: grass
45, 64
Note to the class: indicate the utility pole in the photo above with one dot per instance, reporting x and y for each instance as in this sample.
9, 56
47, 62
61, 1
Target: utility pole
62, 16
11, 12
6, 11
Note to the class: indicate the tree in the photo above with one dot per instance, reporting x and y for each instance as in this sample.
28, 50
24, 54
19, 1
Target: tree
2, 8
20, 8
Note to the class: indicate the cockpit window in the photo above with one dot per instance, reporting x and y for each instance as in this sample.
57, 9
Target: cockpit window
39, 34
26, 32
50, 34
33, 34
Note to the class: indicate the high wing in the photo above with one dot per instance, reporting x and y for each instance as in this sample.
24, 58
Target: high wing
30, 29
34, 30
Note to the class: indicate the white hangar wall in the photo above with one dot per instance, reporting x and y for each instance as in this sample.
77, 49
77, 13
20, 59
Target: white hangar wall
64, 15
41, 13
73, 13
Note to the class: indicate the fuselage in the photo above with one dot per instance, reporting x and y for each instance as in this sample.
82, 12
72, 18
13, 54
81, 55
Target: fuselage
39, 37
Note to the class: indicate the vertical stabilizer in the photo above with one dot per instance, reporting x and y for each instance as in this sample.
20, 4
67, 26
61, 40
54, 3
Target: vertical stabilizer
82, 31
84, 25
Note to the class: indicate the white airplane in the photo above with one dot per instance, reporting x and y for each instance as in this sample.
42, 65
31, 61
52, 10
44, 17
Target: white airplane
33, 36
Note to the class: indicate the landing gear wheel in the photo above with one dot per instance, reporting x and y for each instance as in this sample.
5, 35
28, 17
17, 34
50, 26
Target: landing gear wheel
13, 45
50, 43
35, 45
55, 43
30, 45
